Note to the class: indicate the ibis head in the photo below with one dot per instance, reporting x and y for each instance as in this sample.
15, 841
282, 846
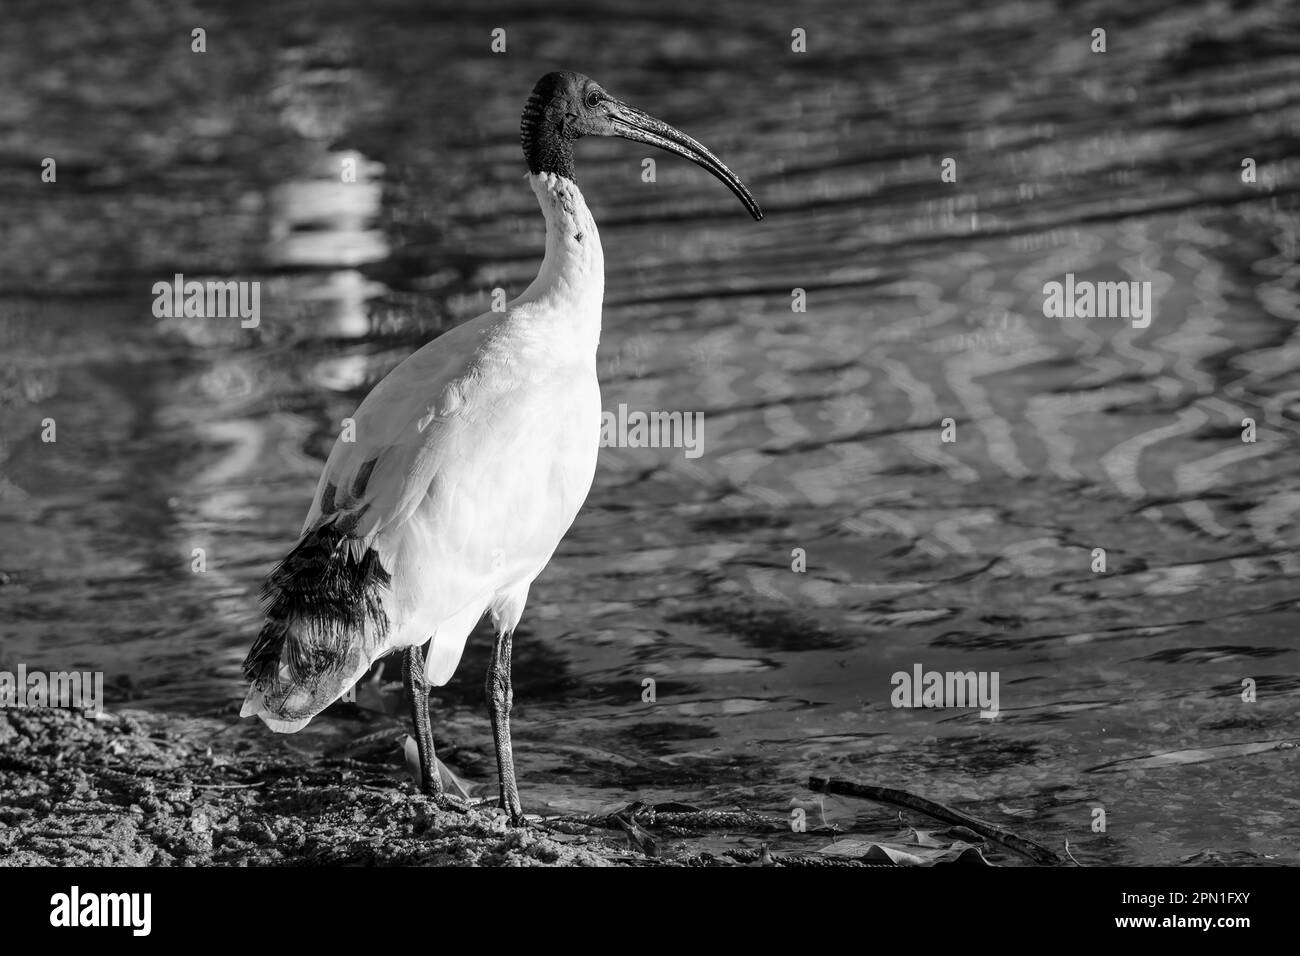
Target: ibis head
567, 106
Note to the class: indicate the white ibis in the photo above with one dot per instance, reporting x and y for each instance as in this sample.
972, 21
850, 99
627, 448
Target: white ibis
470, 461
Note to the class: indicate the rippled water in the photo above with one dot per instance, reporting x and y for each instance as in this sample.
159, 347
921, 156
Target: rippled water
924, 302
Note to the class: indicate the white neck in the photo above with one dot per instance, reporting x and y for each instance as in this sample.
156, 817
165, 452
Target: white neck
570, 285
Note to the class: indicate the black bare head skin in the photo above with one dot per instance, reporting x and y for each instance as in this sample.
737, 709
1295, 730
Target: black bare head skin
563, 107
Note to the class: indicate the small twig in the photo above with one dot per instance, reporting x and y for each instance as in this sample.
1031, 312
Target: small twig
901, 798
1071, 855
218, 786
652, 818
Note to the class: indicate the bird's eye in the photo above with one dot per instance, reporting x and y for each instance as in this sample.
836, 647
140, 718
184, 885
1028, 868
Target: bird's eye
593, 99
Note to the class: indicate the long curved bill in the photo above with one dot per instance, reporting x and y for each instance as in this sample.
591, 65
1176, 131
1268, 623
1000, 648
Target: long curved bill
630, 123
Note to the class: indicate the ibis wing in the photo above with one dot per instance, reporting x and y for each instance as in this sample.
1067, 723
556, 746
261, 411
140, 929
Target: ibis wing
397, 438
462, 478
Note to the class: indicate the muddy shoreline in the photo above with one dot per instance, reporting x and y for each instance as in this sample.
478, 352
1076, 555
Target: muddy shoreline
136, 788
142, 788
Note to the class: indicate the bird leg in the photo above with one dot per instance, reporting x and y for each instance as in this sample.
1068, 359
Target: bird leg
500, 697
417, 691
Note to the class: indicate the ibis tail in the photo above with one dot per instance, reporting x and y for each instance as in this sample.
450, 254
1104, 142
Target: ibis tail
325, 624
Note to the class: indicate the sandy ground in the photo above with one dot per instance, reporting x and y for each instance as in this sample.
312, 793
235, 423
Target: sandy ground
137, 788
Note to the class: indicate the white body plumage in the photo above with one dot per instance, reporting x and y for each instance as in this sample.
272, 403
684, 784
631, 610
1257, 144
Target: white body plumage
472, 458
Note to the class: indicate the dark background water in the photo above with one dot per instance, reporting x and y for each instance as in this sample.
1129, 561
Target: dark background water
821, 429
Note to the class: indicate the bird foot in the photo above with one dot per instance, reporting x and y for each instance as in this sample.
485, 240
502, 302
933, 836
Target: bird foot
450, 802
514, 819
515, 814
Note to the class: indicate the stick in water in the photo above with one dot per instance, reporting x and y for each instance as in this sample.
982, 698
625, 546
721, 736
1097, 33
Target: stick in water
901, 798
